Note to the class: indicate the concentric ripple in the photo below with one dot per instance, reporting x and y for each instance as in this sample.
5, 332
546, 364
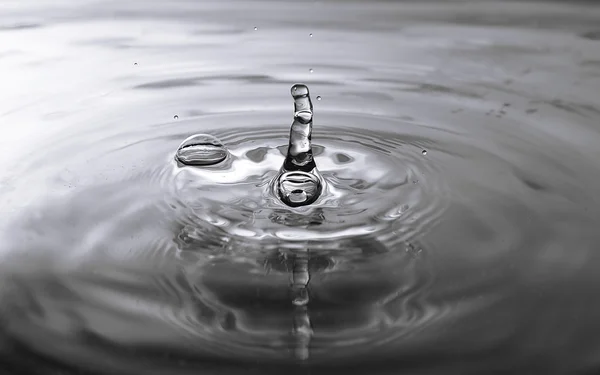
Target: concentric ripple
199, 254
189, 250
382, 185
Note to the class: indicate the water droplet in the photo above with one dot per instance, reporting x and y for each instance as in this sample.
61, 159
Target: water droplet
310, 70
135, 63
424, 152
318, 98
310, 35
299, 91
201, 149
255, 28
176, 117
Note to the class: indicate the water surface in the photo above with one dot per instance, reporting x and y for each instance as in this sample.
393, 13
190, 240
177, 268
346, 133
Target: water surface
457, 230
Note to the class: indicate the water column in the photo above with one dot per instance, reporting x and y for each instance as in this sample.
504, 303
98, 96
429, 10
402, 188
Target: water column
299, 183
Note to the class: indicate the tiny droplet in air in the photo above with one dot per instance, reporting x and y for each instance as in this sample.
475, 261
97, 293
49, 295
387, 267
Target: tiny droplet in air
201, 149
424, 152
310, 35
318, 97
310, 70
134, 63
255, 28
176, 117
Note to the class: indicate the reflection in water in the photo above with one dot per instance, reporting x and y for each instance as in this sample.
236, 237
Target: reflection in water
455, 230
300, 278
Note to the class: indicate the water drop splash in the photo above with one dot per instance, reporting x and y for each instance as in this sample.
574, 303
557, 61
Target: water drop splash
299, 279
298, 188
299, 183
201, 149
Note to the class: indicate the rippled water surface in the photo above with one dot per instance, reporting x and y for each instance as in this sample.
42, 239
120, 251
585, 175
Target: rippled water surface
458, 145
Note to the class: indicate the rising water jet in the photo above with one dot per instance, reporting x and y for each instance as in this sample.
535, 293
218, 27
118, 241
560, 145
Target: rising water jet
299, 182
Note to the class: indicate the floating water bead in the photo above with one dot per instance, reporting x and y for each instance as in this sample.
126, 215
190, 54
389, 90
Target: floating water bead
201, 149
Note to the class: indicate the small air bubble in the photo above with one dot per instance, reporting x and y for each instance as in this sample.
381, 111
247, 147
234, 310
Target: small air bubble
310, 35
318, 97
255, 28
134, 63
176, 117
424, 152
310, 70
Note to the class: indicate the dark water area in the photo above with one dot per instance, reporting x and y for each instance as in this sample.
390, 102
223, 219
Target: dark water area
452, 149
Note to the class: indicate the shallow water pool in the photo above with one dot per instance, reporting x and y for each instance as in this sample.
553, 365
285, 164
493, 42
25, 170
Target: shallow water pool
457, 231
